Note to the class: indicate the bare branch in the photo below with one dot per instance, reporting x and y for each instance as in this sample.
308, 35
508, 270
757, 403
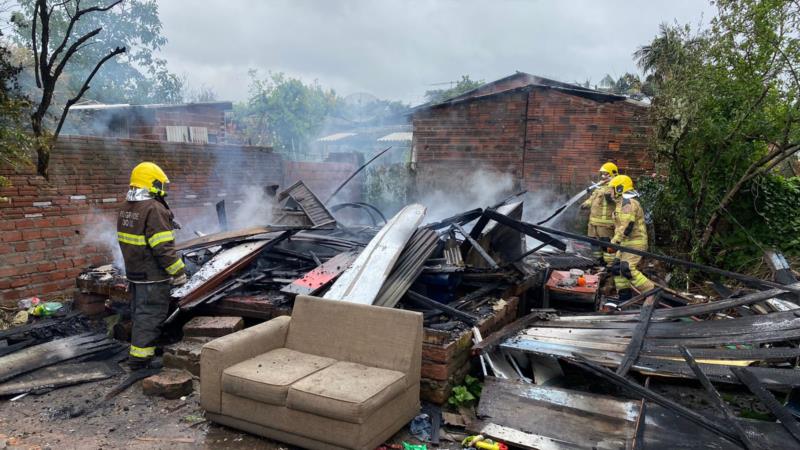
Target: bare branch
72, 49
73, 19
84, 88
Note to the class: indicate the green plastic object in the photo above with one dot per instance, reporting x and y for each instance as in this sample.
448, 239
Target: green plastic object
407, 446
45, 309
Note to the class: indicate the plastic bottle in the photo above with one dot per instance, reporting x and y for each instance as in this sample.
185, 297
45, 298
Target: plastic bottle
28, 302
45, 309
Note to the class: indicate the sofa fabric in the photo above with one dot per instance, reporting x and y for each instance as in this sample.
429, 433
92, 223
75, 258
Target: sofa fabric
346, 391
334, 375
224, 352
267, 377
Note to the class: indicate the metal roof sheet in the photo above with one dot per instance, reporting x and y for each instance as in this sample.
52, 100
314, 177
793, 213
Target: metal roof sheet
335, 137
400, 136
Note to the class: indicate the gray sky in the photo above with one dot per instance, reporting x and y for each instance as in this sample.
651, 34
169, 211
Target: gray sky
397, 49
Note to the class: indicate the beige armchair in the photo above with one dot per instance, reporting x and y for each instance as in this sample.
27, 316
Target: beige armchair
334, 375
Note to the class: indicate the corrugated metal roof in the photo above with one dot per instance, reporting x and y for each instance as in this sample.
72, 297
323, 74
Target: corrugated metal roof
99, 106
401, 136
335, 137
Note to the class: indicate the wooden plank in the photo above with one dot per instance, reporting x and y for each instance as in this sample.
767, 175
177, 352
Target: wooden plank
717, 400
425, 301
477, 247
362, 282
635, 345
785, 417
706, 422
211, 240
58, 376
324, 274
604, 422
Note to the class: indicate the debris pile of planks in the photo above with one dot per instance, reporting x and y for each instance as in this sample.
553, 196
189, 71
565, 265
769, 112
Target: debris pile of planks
561, 364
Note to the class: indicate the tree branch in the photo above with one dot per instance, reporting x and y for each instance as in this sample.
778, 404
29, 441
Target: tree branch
33, 44
73, 19
72, 49
84, 88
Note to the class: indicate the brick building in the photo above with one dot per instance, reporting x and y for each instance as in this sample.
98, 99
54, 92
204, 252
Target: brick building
546, 134
201, 123
50, 230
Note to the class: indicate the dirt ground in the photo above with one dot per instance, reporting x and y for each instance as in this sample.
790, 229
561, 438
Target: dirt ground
131, 420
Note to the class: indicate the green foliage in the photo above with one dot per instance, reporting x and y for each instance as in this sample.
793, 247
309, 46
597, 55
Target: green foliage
465, 84
467, 393
283, 112
387, 187
137, 77
725, 106
15, 142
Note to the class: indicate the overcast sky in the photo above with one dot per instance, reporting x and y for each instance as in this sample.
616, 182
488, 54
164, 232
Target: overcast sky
399, 49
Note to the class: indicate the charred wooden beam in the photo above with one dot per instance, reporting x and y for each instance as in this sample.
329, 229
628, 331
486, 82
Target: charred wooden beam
784, 416
450, 311
477, 247
635, 345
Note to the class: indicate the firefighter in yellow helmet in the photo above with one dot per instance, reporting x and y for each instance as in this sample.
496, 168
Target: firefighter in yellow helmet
601, 207
630, 230
145, 230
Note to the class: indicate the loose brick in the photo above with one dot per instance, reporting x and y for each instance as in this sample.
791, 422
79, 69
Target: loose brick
170, 384
203, 326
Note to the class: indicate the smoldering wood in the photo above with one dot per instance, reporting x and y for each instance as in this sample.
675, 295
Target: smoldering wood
785, 417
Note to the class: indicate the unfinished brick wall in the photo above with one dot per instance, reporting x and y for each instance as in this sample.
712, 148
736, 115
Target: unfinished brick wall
566, 138
50, 231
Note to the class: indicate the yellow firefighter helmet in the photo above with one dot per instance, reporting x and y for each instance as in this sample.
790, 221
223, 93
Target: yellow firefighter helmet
609, 168
621, 184
149, 176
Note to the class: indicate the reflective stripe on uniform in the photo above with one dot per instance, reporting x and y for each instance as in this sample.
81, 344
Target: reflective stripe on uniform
131, 239
173, 268
142, 352
599, 221
633, 243
638, 279
160, 238
621, 283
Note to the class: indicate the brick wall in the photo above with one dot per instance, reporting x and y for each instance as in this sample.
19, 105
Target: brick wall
50, 231
452, 142
570, 137
566, 138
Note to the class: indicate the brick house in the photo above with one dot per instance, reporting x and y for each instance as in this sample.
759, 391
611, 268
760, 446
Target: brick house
200, 123
547, 134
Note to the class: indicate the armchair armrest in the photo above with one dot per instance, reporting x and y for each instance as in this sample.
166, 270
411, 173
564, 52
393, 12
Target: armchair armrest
224, 352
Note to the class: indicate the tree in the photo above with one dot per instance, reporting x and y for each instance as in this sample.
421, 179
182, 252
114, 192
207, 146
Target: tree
14, 137
726, 113
51, 55
465, 84
283, 112
136, 77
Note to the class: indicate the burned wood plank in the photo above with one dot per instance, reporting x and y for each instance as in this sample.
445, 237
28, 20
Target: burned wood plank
488, 344
638, 298
319, 278
212, 240
460, 219
717, 400
635, 345
450, 311
478, 293
52, 352
475, 245
132, 378
705, 422
785, 417
58, 376
524, 228
222, 215
555, 413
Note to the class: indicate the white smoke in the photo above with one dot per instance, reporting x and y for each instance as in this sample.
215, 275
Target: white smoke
102, 233
254, 210
479, 189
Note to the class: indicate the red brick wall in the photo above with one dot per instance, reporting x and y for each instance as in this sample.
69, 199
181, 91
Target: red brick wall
570, 137
483, 134
566, 140
49, 231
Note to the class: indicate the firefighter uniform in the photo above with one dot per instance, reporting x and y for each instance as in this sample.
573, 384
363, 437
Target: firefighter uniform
152, 266
601, 207
630, 230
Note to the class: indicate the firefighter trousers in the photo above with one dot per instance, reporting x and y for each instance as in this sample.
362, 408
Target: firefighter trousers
629, 274
149, 310
605, 233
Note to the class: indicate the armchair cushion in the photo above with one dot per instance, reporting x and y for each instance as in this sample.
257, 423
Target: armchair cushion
267, 377
346, 391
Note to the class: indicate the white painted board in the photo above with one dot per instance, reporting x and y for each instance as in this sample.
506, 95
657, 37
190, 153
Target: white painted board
365, 277
217, 264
